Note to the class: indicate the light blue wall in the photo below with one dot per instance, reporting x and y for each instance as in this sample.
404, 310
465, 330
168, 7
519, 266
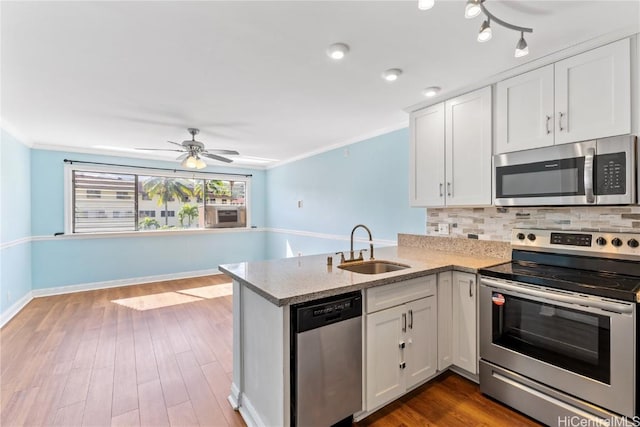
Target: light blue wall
15, 220
71, 261
365, 182
81, 261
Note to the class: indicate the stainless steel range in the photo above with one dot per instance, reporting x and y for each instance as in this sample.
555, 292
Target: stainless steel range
558, 326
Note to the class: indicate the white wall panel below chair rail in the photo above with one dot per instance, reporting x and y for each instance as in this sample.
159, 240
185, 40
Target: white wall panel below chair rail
494, 223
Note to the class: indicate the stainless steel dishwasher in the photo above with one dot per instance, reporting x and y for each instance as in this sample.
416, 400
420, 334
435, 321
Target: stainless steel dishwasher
326, 361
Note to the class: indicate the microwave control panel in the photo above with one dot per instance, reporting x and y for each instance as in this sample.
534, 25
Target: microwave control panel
610, 173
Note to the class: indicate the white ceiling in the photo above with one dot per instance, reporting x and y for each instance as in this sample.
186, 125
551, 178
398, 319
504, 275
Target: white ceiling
253, 76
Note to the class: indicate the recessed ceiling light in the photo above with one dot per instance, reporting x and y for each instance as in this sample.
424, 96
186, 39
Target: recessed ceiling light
392, 74
337, 51
426, 4
431, 91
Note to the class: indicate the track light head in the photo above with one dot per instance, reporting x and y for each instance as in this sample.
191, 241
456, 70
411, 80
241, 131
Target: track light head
472, 9
521, 48
485, 31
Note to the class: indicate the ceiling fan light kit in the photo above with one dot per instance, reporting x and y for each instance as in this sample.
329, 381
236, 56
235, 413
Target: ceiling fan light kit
193, 151
473, 8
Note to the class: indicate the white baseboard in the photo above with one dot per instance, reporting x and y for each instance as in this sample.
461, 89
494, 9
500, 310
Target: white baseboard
249, 414
234, 397
120, 282
37, 293
15, 308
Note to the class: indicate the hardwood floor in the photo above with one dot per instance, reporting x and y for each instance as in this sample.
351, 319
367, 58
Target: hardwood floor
153, 355
448, 401
160, 354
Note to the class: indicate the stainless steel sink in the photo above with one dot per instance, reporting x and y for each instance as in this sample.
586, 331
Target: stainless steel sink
373, 267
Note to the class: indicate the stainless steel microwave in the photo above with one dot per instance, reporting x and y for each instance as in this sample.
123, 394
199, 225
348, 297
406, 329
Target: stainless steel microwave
598, 172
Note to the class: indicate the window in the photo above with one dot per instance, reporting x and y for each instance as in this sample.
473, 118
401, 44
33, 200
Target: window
105, 199
94, 194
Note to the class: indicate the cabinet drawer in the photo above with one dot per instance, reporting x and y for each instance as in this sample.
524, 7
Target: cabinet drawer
386, 296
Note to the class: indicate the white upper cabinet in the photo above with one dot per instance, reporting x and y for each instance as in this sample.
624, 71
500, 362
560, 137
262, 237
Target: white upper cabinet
593, 94
468, 149
525, 111
451, 152
427, 157
583, 97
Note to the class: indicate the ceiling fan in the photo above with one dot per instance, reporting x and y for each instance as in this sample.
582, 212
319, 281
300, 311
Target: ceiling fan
193, 151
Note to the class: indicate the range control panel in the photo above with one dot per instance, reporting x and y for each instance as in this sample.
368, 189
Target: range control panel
593, 243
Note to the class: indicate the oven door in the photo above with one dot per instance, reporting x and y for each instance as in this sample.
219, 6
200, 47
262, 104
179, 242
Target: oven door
558, 175
582, 345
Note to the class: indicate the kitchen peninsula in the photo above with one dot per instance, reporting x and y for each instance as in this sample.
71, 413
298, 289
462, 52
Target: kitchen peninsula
263, 293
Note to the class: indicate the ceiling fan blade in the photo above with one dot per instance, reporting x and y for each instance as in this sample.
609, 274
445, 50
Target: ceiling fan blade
228, 152
175, 143
158, 149
213, 156
183, 156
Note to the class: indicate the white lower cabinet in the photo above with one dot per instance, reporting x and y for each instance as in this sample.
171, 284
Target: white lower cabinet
401, 341
465, 347
445, 320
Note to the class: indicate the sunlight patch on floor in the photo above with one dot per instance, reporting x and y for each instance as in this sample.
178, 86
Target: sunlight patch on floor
209, 292
167, 299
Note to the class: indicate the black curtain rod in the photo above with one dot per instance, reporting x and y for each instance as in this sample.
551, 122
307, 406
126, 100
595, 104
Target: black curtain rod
149, 167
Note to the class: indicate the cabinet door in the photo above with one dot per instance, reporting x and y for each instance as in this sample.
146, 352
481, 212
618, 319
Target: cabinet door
421, 340
525, 111
593, 94
468, 149
426, 164
445, 321
385, 377
464, 321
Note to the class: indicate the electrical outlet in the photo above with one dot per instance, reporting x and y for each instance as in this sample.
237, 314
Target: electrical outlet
443, 228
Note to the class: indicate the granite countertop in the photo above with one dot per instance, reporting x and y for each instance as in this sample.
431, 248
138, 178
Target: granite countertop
298, 279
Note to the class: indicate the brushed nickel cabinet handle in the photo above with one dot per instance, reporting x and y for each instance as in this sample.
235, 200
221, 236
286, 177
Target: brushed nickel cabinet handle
404, 322
470, 288
441, 185
547, 125
410, 319
449, 189
560, 122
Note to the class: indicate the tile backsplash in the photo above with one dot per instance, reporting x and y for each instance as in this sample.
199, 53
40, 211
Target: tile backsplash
494, 223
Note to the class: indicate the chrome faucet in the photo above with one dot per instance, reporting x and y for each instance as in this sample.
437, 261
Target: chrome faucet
351, 255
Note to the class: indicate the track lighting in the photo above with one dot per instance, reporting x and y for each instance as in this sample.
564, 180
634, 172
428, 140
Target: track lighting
337, 51
472, 9
426, 4
485, 31
521, 48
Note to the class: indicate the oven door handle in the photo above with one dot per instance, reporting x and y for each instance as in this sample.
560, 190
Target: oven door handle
569, 299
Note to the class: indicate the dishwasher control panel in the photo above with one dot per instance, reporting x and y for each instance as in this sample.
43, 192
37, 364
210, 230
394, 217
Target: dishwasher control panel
310, 315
